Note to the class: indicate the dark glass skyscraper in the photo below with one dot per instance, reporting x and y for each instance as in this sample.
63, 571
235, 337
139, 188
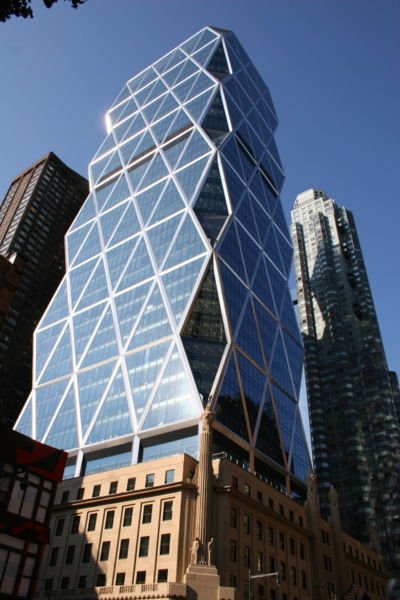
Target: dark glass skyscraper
176, 290
35, 214
354, 428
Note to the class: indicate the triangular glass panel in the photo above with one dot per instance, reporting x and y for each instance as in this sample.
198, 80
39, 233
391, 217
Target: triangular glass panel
261, 287
229, 150
197, 41
235, 295
161, 237
84, 325
167, 62
102, 193
153, 323
267, 327
180, 122
128, 307
211, 225
246, 217
204, 358
218, 65
90, 247
136, 125
174, 74
279, 368
169, 105
157, 170
301, 464
96, 289
120, 192
278, 285
104, 344
262, 220
215, 122
78, 279
182, 90
198, 106
151, 110
229, 408
143, 369
235, 114
268, 440
212, 197
58, 307
47, 400
128, 149
109, 221
169, 204
117, 259
96, 168
253, 382
138, 269
87, 213
272, 249
229, 250
45, 341
248, 337
91, 385
150, 93
189, 177
203, 56
107, 145
173, 150
251, 252
113, 165
143, 79
63, 432
173, 400
188, 69
24, 422
286, 251
196, 147
280, 221
286, 408
128, 226
122, 129
146, 144
75, 239
179, 285
288, 315
160, 128
235, 185
130, 108
205, 321
60, 363
147, 200
113, 419
137, 171
187, 244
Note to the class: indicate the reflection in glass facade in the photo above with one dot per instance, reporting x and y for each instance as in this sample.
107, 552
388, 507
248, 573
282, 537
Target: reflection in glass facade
176, 291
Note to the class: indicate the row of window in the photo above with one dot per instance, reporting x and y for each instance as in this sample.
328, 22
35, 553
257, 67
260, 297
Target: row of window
144, 543
169, 477
147, 514
101, 580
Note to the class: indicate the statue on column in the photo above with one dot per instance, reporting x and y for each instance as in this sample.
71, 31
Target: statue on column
194, 551
209, 550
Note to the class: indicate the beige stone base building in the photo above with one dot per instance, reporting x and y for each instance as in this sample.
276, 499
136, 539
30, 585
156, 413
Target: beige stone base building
130, 533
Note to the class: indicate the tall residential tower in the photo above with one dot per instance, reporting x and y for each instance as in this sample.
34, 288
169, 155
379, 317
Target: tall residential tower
354, 428
35, 214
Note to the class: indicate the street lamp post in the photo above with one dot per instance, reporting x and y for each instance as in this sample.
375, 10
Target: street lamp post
259, 576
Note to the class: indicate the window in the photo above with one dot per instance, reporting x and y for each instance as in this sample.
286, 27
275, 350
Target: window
235, 483
169, 476
259, 530
304, 580
260, 562
92, 522
105, 551
292, 546
232, 581
127, 517
246, 523
302, 553
141, 577
291, 515
48, 585
261, 591
247, 489
64, 583
271, 503
293, 575
75, 524
113, 487
123, 549
80, 493
162, 575
64, 497
87, 553
165, 542
96, 491
69, 558
131, 484
271, 536
147, 513
167, 510
259, 497
272, 568
100, 579
281, 510
53, 557
149, 480
120, 579
144, 546
109, 519
283, 571
233, 550
60, 526
281, 541
246, 556
233, 517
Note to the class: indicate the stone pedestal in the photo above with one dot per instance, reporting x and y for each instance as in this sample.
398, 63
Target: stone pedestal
203, 584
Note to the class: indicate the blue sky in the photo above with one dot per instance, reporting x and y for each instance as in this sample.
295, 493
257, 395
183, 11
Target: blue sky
332, 68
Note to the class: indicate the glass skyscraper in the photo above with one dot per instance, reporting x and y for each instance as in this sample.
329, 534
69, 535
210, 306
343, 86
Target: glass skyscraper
176, 290
354, 426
